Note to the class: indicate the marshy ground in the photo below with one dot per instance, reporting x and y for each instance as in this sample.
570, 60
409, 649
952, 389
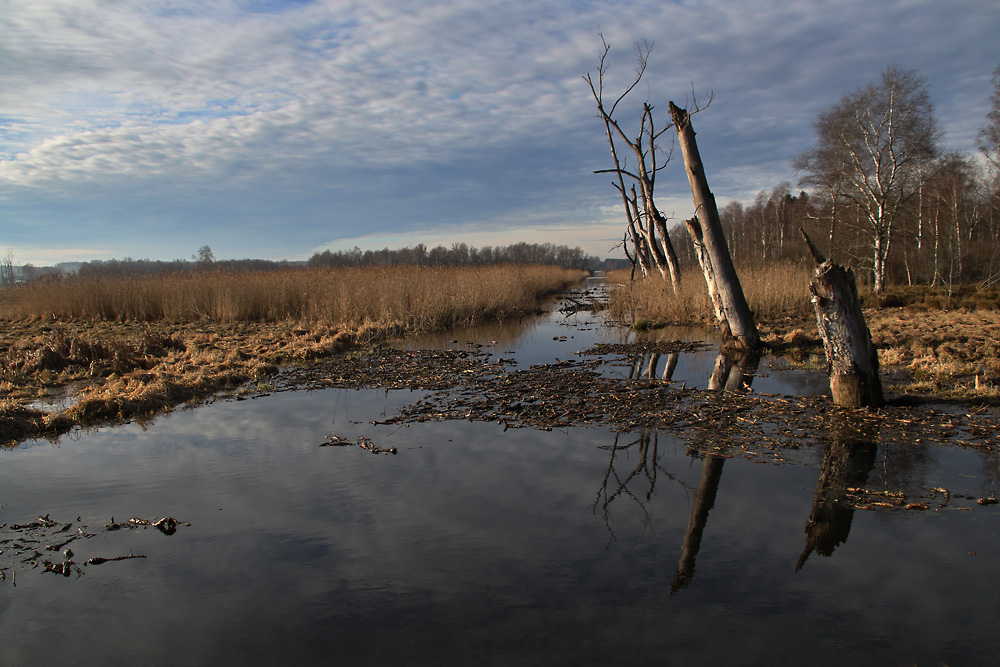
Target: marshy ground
60, 373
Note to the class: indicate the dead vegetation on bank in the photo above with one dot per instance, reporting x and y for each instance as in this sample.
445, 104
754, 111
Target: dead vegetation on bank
933, 342
110, 350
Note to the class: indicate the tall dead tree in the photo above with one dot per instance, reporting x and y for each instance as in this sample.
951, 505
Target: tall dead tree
735, 319
647, 226
851, 359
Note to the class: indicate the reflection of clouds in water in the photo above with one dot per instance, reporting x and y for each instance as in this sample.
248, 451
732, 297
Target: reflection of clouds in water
469, 527
472, 533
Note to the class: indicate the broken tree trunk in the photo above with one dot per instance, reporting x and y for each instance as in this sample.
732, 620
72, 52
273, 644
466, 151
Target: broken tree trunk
731, 307
851, 359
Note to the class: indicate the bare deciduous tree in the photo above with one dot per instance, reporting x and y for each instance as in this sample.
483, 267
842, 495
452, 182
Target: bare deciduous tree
989, 134
7, 269
647, 226
205, 255
872, 149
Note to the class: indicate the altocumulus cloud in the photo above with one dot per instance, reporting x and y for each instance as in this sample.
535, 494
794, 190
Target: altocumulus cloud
274, 129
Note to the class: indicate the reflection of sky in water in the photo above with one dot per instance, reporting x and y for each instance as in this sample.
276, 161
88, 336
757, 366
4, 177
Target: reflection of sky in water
555, 336
473, 542
478, 545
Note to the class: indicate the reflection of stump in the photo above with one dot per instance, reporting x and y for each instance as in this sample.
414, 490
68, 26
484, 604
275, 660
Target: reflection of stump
846, 464
852, 362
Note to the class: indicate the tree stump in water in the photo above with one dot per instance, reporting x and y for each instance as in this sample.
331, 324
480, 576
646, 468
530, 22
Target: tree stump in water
851, 359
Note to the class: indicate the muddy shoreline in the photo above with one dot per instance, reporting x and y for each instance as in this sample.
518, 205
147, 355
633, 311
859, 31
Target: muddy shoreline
59, 378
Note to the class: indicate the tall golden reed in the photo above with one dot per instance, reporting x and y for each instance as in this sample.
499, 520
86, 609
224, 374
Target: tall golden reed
774, 292
404, 296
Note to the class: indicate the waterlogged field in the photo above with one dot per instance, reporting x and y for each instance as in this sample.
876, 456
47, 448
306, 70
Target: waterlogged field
131, 347
941, 342
406, 508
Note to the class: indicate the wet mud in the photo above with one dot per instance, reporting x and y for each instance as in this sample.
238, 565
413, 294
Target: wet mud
478, 385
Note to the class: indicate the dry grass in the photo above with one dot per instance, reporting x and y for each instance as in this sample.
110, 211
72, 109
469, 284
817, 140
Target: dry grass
129, 348
953, 354
946, 347
405, 297
775, 293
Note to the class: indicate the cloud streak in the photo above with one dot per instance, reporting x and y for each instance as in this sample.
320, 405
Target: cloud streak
271, 128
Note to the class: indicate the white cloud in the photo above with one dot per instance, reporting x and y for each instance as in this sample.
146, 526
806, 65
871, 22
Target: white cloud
432, 112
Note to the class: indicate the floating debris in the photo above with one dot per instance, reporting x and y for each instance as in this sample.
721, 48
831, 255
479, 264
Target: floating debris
578, 392
18, 540
362, 442
97, 560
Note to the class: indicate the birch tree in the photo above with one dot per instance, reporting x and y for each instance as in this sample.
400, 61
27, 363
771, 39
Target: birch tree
872, 149
989, 134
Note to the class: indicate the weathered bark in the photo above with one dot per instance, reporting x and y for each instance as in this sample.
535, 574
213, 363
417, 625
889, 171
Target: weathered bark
705, 262
734, 372
651, 245
851, 359
670, 255
732, 310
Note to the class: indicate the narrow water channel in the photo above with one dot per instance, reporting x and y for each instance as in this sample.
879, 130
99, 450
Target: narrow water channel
474, 544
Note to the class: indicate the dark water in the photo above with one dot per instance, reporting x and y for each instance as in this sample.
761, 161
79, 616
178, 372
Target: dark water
476, 546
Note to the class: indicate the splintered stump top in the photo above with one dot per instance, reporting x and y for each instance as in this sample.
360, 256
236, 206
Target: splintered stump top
851, 358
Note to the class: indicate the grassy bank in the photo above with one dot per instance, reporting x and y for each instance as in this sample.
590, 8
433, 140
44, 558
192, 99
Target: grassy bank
132, 347
941, 342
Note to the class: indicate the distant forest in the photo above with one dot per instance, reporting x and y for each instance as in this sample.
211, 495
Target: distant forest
459, 254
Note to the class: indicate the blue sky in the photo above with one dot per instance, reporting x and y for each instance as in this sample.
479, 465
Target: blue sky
275, 129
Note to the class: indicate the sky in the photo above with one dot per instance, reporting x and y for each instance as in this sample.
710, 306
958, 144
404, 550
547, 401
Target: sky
275, 129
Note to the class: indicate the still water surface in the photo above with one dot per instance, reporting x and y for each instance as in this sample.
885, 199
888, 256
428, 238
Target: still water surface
479, 546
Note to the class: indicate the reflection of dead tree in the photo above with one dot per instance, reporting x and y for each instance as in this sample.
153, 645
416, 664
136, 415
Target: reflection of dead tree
733, 372
704, 500
846, 464
645, 468
650, 364
670, 366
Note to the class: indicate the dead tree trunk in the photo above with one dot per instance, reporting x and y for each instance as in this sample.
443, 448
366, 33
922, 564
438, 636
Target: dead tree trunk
851, 359
645, 222
732, 311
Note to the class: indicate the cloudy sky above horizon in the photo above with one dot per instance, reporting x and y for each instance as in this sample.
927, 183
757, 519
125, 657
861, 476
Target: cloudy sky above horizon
278, 128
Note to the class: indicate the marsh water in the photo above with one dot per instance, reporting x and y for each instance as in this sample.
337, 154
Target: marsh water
474, 544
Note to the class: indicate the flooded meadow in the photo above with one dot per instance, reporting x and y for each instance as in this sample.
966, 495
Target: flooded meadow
551, 491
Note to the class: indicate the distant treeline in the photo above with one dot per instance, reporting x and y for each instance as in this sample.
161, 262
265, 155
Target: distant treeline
460, 254
146, 267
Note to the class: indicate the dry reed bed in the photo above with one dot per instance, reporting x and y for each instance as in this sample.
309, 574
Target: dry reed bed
407, 297
777, 294
951, 354
132, 347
